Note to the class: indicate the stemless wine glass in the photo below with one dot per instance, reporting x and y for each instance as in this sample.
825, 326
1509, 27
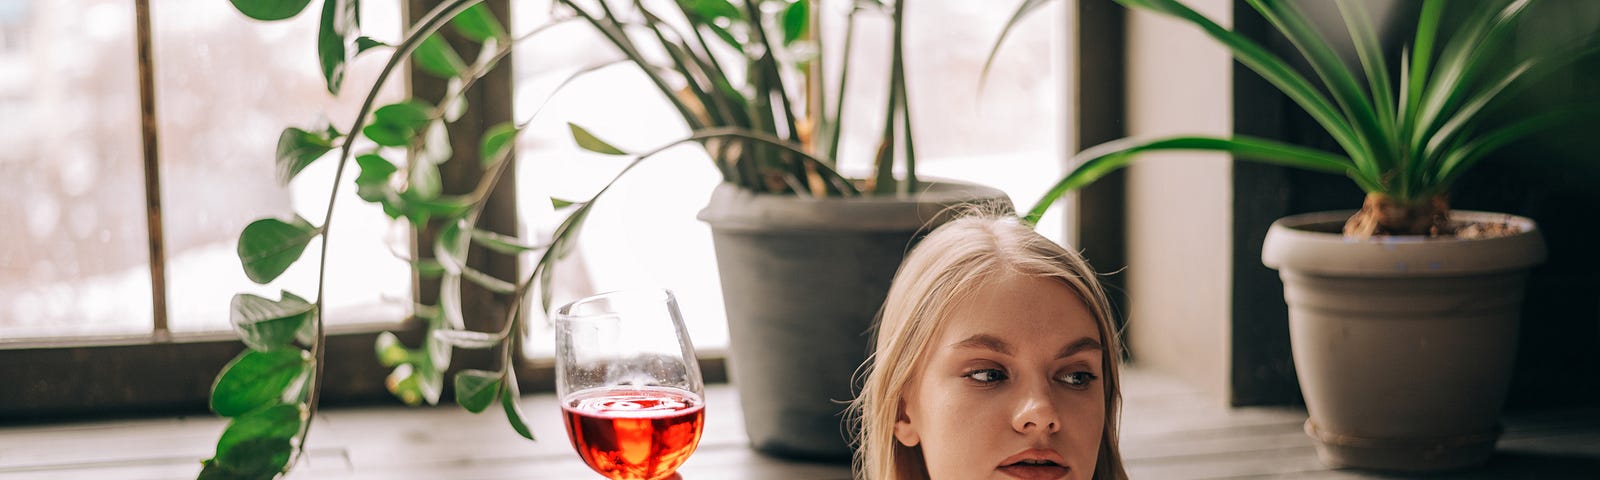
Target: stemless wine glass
630, 388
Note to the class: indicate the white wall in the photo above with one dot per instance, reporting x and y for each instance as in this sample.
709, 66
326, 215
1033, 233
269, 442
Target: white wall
1179, 204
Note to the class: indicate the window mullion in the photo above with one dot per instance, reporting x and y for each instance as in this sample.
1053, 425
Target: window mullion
152, 172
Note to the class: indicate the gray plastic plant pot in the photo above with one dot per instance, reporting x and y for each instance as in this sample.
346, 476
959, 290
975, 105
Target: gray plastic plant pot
802, 280
1404, 345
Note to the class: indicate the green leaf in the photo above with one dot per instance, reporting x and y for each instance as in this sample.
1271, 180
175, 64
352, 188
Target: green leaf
478, 24
211, 470
394, 207
277, 421
1371, 144
1105, 158
1459, 160
331, 40
268, 325
726, 36
563, 244
710, 10
391, 352
546, 285
409, 115
269, 246
488, 55
364, 43
297, 149
451, 249
1421, 60
487, 281
255, 457
588, 141
419, 210
497, 144
256, 379
372, 184
1454, 71
1369, 51
436, 147
1023, 10
430, 378
450, 315
503, 243
435, 56
476, 389
269, 10
468, 339
387, 136
402, 382
796, 21
1274, 70
429, 268
450, 207
508, 402
560, 204
454, 103
307, 335
1468, 113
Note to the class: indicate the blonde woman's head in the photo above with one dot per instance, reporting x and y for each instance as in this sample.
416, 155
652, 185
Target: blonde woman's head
995, 353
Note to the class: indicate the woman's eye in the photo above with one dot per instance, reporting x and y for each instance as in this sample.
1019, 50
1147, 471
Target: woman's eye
1079, 379
987, 375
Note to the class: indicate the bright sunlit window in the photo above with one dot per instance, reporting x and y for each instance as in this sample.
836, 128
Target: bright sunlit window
74, 257
1010, 135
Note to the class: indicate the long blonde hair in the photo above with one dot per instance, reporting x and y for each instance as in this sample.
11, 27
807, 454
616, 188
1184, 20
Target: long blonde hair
939, 273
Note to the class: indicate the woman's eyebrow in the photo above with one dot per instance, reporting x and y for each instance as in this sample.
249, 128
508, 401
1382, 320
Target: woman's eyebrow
986, 342
1081, 344
993, 343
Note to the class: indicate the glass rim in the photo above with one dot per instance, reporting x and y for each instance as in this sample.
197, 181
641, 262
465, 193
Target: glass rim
564, 313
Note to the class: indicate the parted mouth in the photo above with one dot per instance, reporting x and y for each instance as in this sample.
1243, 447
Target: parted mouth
1035, 464
1034, 456
1022, 471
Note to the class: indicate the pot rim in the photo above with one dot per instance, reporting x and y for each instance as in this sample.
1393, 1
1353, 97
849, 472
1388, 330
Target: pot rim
1291, 246
734, 209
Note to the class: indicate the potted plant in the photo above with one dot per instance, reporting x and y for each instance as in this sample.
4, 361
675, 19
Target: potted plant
1403, 314
822, 246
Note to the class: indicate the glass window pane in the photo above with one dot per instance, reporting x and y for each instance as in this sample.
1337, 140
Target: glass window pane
225, 87
644, 233
73, 252
1010, 136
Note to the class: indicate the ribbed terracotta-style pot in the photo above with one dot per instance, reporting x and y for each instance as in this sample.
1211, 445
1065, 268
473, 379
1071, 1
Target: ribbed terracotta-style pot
802, 280
1404, 345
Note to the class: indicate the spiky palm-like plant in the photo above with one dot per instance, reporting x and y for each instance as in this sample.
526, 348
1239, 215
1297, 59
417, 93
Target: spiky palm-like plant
1405, 140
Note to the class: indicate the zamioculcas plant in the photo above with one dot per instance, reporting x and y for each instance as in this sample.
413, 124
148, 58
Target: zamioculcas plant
1407, 133
759, 131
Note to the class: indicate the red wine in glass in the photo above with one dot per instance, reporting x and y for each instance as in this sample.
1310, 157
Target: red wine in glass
629, 384
634, 433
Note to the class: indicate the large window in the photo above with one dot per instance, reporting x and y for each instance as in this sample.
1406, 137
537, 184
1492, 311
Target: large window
1011, 135
122, 256
73, 255
86, 277
75, 258
216, 136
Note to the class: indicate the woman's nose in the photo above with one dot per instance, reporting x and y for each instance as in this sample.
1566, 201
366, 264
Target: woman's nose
1036, 412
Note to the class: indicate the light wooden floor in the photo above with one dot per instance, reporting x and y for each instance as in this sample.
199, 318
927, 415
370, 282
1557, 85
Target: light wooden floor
1169, 432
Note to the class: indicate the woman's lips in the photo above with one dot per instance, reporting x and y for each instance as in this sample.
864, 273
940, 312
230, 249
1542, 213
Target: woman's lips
1023, 471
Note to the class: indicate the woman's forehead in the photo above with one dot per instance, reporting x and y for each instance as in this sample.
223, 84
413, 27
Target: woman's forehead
1021, 310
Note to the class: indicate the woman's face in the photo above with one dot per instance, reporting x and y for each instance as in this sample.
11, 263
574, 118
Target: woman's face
1010, 389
